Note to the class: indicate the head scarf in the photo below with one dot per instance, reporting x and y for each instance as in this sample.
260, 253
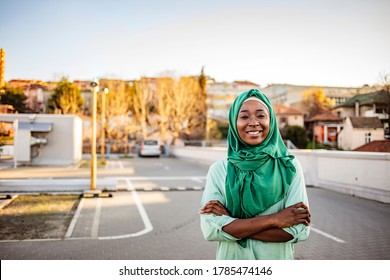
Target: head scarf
257, 176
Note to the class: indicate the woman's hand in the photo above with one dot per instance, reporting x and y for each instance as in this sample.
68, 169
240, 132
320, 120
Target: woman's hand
214, 207
293, 215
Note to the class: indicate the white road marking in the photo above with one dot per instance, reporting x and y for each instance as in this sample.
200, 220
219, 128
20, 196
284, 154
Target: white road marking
199, 180
334, 238
73, 223
141, 210
96, 219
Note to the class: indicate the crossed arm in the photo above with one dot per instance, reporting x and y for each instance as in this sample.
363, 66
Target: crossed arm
265, 228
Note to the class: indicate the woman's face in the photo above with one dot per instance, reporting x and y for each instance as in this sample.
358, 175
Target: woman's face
253, 122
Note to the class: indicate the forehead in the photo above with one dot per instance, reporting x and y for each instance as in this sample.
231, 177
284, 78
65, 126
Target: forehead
253, 105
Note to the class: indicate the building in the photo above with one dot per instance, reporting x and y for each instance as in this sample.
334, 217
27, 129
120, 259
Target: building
220, 96
292, 95
325, 128
2, 68
36, 92
358, 131
373, 104
286, 116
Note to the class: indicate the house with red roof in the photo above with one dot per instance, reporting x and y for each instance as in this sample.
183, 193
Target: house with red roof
325, 127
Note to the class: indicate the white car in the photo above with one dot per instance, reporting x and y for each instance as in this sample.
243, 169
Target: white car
150, 147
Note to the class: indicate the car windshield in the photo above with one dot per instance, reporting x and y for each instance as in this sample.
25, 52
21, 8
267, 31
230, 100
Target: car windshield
150, 142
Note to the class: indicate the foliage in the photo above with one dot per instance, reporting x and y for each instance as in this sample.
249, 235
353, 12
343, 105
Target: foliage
181, 108
66, 98
297, 135
14, 97
385, 84
316, 101
117, 104
141, 96
318, 145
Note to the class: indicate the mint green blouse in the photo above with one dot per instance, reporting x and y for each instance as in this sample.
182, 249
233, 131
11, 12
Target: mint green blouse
228, 248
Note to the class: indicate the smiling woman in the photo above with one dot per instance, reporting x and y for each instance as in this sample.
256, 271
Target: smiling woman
255, 202
253, 121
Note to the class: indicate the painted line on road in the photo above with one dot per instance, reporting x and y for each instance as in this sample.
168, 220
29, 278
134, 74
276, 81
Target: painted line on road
96, 219
334, 238
145, 218
199, 180
76, 216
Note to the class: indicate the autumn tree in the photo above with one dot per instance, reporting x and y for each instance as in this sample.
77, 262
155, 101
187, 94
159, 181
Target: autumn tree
141, 96
14, 97
66, 98
117, 103
187, 113
164, 94
316, 102
203, 106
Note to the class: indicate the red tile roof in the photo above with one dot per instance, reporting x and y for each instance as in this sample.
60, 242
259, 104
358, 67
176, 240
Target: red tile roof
283, 110
328, 116
245, 83
381, 146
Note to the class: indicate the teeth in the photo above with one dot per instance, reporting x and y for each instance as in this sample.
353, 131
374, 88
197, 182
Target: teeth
253, 132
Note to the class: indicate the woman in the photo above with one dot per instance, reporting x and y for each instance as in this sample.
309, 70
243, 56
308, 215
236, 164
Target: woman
255, 202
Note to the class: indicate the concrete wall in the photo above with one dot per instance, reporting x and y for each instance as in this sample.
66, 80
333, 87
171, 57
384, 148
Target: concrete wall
64, 146
360, 174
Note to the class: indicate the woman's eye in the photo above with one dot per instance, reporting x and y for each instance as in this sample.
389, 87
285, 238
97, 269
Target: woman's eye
244, 117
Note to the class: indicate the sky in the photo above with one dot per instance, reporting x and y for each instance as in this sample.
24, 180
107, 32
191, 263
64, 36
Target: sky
302, 42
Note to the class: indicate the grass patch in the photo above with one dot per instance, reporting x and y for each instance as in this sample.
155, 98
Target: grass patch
37, 216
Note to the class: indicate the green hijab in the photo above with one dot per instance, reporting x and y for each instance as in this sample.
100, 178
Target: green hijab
257, 176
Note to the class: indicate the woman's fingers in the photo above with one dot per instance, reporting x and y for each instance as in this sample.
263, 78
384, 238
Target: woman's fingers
214, 207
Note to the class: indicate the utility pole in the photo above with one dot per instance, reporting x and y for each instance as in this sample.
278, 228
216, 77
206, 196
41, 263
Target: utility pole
103, 120
95, 90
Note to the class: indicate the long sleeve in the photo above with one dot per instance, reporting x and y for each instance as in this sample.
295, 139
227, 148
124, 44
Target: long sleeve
211, 225
297, 193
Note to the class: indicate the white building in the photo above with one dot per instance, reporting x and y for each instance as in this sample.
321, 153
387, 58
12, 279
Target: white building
358, 131
220, 96
46, 139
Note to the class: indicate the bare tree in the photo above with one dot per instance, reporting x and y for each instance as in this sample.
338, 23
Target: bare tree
164, 94
141, 101
384, 80
116, 108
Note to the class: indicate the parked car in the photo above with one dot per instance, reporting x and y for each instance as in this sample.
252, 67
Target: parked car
150, 147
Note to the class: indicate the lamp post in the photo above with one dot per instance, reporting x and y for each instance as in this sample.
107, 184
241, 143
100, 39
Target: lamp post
103, 119
95, 89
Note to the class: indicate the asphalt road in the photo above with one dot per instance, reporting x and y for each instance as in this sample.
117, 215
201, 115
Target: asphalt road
154, 216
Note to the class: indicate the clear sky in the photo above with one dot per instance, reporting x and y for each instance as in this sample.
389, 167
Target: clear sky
303, 42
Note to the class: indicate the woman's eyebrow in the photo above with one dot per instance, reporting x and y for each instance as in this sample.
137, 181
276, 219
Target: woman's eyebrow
257, 110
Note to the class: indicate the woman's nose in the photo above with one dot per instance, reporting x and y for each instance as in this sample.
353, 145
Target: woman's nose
254, 123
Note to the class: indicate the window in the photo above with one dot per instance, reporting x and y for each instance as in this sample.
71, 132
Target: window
367, 137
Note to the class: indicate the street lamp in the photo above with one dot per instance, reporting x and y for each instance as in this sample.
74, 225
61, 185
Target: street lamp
103, 117
95, 90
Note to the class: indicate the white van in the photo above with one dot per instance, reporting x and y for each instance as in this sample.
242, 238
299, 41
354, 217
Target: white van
150, 147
